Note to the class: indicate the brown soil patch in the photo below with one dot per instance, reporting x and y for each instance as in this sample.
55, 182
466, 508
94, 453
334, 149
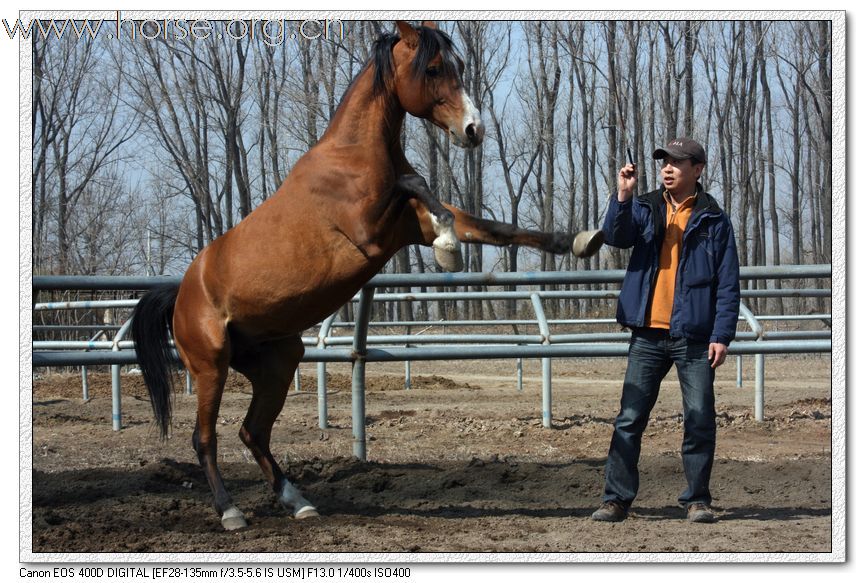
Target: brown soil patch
460, 463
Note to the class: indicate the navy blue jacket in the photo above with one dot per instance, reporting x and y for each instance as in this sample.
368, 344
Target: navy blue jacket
706, 298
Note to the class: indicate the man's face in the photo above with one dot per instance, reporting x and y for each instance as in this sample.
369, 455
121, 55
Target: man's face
680, 176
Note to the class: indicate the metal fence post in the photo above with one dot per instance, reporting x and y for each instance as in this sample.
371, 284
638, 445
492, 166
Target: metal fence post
520, 375
358, 374
739, 371
115, 378
323, 333
546, 364
408, 371
759, 397
408, 362
759, 390
85, 386
115, 398
85, 382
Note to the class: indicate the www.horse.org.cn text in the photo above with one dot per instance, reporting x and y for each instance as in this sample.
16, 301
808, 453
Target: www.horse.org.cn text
271, 32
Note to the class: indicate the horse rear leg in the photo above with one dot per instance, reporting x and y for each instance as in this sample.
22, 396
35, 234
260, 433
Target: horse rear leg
270, 368
204, 347
210, 383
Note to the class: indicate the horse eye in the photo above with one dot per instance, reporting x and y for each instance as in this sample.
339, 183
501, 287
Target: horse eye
432, 72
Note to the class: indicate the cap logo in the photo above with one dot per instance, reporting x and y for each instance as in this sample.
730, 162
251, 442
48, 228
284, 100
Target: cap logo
676, 144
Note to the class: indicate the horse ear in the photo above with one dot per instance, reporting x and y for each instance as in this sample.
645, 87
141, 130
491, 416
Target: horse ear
408, 33
429, 24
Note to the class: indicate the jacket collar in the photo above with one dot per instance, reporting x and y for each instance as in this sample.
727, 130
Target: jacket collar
703, 202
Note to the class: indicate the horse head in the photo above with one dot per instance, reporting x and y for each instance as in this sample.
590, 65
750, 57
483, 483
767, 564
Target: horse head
427, 80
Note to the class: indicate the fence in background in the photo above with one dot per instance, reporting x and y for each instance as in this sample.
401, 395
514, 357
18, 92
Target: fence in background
360, 347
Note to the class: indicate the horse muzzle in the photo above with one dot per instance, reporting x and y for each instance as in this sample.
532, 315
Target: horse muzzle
474, 132
469, 131
469, 136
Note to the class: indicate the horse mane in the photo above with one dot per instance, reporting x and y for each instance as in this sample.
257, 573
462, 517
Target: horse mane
381, 60
431, 42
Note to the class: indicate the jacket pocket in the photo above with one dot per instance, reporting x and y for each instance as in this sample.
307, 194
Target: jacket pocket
699, 267
698, 311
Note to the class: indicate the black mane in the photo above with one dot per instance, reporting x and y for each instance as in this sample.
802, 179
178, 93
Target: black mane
431, 42
381, 60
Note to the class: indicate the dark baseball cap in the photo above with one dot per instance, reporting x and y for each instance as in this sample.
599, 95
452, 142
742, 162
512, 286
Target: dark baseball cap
681, 149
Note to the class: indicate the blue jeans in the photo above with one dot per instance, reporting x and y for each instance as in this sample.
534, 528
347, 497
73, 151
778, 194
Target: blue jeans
651, 355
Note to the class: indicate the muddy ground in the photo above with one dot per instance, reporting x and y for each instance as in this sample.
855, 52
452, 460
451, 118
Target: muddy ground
459, 463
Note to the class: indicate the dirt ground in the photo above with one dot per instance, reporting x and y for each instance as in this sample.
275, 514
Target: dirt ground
459, 463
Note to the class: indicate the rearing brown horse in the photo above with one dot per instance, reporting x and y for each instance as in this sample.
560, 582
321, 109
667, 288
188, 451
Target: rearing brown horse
344, 210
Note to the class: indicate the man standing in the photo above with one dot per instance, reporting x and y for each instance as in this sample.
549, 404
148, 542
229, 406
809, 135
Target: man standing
680, 297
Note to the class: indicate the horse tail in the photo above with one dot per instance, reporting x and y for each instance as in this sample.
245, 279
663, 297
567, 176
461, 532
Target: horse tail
150, 329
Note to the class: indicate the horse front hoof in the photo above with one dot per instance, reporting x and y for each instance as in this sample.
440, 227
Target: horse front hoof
306, 512
449, 260
233, 519
447, 252
587, 243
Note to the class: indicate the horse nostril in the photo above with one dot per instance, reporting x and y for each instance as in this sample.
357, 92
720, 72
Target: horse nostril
475, 132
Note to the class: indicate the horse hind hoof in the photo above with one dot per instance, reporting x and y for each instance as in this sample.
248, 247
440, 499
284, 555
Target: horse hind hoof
448, 260
233, 519
306, 512
587, 243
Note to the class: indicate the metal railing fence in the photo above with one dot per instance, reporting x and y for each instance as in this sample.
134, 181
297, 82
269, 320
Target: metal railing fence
387, 348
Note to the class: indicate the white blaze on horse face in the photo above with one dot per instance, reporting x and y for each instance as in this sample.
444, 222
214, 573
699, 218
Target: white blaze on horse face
290, 498
471, 118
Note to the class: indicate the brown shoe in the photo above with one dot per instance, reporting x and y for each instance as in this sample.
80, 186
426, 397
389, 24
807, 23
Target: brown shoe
610, 512
699, 512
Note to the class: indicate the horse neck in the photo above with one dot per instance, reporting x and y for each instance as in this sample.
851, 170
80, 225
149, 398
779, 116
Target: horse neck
366, 119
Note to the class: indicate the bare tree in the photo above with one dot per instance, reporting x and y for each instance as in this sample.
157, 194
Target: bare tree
223, 121
271, 70
228, 66
79, 134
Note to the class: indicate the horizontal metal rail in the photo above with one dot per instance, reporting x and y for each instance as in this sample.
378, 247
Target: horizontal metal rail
102, 282
87, 282
396, 354
579, 295
545, 346
72, 327
450, 296
85, 305
431, 339
555, 322
522, 339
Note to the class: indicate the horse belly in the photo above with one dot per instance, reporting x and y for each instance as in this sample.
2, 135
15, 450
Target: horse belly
300, 289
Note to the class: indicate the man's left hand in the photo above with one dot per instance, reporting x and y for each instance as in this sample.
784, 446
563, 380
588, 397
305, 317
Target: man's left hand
717, 354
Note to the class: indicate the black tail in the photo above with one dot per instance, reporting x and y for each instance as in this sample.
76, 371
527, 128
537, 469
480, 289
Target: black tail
151, 325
